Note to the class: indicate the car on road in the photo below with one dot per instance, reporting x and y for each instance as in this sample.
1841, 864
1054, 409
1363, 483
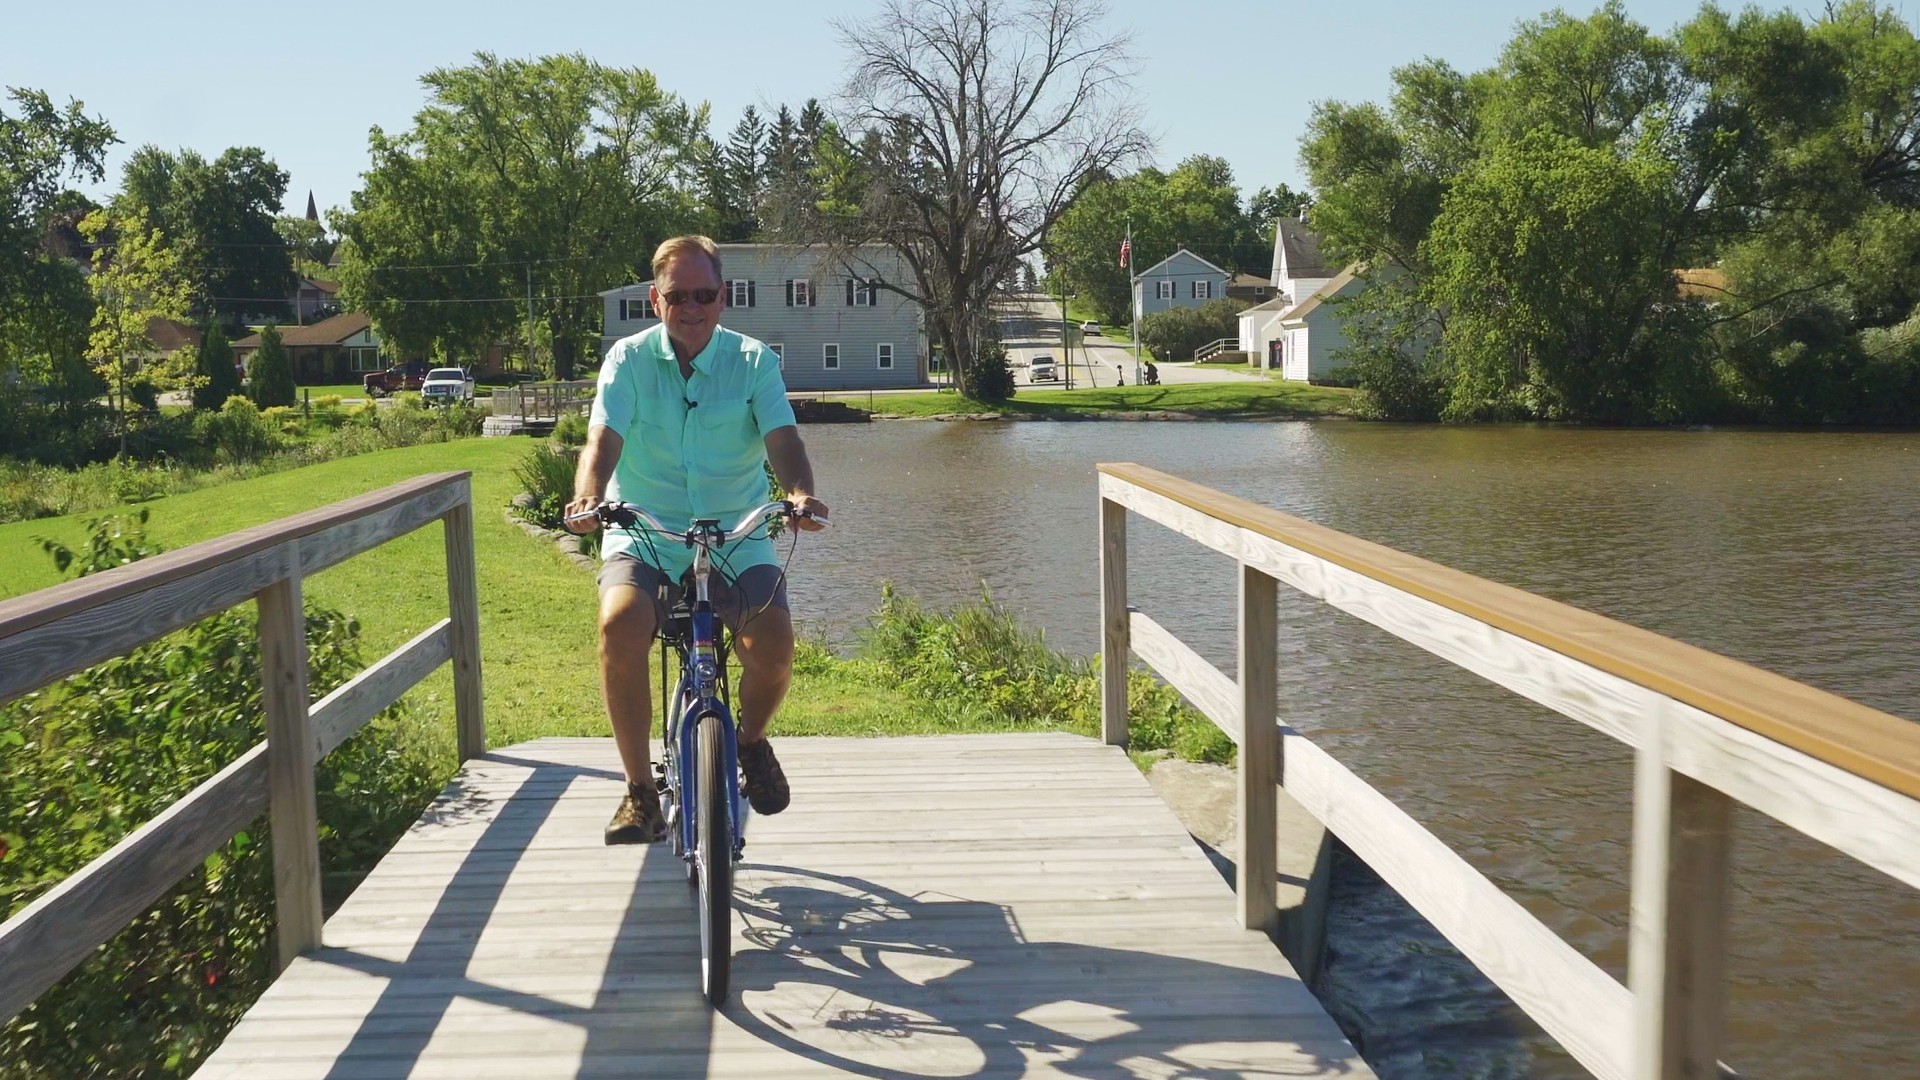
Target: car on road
1090, 329
1043, 369
447, 385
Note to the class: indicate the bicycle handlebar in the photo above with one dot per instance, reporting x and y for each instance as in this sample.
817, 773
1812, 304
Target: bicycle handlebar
627, 514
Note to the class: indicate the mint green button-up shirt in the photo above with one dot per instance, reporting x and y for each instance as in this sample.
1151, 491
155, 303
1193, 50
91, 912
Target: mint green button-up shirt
693, 447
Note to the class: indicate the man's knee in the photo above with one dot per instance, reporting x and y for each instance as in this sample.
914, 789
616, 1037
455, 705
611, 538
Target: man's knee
766, 644
627, 622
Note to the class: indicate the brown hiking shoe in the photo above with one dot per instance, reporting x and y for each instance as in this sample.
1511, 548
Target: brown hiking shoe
639, 820
766, 784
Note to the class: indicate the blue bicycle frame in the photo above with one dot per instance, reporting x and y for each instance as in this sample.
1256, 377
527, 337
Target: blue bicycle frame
699, 696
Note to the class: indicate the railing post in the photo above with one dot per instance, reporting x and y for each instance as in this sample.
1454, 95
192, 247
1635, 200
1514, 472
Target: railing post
1115, 630
463, 604
291, 807
1676, 959
1255, 861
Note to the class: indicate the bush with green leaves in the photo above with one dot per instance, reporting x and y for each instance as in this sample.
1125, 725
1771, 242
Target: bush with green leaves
546, 474
213, 364
1177, 333
239, 432
977, 665
87, 759
571, 430
270, 376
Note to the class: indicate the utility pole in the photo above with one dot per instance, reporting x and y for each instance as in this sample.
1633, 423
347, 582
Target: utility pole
530, 368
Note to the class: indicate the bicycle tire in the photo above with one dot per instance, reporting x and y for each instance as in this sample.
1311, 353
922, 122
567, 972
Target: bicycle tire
713, 855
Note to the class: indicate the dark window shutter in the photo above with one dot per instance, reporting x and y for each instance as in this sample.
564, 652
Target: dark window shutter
749, 294
789, 292
849, 292
813, 295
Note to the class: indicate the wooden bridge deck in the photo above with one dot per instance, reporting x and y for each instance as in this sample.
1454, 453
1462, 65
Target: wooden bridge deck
959, 906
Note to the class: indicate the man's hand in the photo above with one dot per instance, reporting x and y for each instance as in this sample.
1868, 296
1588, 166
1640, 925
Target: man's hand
578, 516
809, 505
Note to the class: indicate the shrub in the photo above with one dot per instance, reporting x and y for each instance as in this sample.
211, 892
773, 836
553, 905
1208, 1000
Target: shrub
545, 473
1177, 333
239, 432
992, 376
272, 371
213, 363
571, 430
93, 756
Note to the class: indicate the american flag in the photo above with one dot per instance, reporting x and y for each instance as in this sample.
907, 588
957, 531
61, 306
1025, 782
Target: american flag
1126, 251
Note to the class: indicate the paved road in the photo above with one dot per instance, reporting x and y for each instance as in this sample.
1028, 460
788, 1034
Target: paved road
1033, 329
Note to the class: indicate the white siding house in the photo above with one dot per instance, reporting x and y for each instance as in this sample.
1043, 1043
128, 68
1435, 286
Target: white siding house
1309, 333
1182, 279
833, 329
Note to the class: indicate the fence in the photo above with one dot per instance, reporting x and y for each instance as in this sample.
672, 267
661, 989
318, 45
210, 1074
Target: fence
1706, 731
57, 631
542, 401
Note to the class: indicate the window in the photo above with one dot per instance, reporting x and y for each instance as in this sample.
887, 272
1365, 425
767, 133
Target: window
739, 293
1163, 290
884, 353
779, 353
1203, 290
861, 293
634, 308
367, 360
799, 293
830, 357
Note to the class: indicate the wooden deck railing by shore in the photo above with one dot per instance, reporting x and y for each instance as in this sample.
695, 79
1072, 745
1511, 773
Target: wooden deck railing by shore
542, 401
57, 631
1706, 731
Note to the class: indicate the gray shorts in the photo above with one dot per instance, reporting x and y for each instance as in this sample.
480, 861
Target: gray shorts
759, 588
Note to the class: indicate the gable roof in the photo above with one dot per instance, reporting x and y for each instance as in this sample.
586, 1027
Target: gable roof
1278, 303
168, 335
1249, 281
1296, 250
327, 332
1176, 254
1327, 292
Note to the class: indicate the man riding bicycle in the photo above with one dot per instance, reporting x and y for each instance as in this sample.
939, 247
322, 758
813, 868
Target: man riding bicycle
687, 416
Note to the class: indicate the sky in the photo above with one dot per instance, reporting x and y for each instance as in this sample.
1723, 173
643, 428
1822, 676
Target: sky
1234, 78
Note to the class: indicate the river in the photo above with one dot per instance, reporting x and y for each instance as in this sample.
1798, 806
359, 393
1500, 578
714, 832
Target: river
1798, 552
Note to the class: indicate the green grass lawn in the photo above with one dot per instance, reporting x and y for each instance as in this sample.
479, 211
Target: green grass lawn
345, 390
1217, 400
537, 610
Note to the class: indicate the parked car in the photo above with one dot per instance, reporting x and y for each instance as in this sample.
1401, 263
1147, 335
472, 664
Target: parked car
1043, 369
446, 385
1090, 329
407, 376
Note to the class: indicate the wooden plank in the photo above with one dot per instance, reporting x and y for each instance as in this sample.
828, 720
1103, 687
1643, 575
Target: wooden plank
1113, 623
334, 718
1255, 861
290, 760
1682, 881
1866, 742
49, 937
1578, 1004
1202, 684
463, 602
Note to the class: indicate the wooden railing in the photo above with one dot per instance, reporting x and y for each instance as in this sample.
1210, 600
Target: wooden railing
1706, 731
542, 401
57, 631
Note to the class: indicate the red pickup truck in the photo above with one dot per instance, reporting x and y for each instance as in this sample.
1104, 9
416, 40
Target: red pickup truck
407, 376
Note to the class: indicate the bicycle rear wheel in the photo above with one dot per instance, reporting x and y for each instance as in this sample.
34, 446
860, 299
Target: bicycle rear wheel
713, 855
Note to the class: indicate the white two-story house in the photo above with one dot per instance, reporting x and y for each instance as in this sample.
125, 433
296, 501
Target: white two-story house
833, 326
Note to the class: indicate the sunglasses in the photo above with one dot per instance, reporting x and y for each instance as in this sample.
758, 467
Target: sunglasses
676, 297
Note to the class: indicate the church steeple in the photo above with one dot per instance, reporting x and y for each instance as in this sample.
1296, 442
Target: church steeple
313, 211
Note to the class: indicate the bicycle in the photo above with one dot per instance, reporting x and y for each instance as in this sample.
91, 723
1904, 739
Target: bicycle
699, 791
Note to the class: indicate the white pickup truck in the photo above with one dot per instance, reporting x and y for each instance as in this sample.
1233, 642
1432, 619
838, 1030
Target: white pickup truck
446, 385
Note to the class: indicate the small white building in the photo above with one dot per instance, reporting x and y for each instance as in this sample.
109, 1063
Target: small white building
1306, 336
832, 325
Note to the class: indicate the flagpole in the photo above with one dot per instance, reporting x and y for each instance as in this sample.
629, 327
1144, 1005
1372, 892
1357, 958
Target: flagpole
1135, 299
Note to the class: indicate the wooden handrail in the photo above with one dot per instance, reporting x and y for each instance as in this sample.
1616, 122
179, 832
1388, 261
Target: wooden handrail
50, 633
1707, 732
1863, 741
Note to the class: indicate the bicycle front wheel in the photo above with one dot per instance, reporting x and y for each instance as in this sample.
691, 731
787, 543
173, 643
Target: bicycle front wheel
713, 855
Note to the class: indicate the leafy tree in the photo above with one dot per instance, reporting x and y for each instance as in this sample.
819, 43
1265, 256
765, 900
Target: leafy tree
41, 147
971, 125
555, 177
213, 363
1178, 333
308, 244
137, 278
270, 376
221, 215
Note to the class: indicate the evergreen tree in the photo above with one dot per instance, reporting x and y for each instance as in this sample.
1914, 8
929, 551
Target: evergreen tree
741, 159
272, 371
213, 362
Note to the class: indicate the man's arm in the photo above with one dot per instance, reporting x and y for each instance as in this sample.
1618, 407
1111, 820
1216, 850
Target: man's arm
788, 456
590, 479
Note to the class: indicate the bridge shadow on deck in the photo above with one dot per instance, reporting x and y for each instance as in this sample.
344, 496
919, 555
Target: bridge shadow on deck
832, 973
